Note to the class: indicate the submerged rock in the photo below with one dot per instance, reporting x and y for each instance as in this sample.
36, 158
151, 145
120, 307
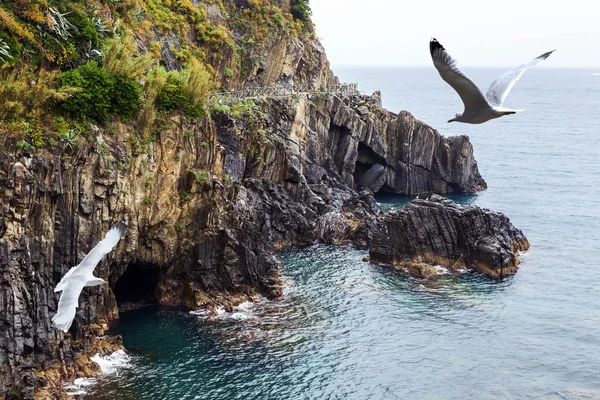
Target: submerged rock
440, 232
421, 270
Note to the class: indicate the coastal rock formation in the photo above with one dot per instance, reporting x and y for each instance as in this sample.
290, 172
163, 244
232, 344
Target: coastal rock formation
368, 146
440, 232
207, 199
206, 204
270, 52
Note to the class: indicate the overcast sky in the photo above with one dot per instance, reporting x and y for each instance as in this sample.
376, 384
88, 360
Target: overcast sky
394, 32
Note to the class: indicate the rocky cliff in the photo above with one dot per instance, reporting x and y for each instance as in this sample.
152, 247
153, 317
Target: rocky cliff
207, 198
207, 201
440, 232
391, 153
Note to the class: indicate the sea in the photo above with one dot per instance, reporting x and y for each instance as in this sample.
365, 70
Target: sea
347, 329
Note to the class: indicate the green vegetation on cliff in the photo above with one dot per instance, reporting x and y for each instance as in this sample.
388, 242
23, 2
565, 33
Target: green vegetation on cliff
95, 61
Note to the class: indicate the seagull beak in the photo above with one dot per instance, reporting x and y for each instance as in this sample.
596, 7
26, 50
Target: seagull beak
451, 120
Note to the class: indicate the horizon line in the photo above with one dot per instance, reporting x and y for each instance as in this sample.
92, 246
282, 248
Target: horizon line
462, 66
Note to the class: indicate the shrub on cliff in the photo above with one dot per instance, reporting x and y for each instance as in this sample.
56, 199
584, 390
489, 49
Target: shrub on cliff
120, 56
173, 93
187, 91
84, 31
94, 98
125, 96
100, 93
155, 80
200, 85
29, 93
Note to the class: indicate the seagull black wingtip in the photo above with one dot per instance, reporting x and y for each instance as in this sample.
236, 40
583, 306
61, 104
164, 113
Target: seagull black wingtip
435, 45
546, 55
122, 225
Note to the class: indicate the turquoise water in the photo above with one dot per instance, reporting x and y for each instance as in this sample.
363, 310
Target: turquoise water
351, 330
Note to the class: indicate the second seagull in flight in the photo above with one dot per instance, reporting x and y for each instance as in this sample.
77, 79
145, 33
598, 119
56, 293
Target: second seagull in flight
478, 108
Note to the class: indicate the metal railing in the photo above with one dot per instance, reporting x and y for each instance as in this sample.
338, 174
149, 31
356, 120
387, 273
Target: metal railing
342, 90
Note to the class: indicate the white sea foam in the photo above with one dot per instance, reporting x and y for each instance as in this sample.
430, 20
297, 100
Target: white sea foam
245, 306
207, 313
441, 270
84, 381
109, 365
79, 386
220, 311
240, 312
112, 363
522, 254
201, 313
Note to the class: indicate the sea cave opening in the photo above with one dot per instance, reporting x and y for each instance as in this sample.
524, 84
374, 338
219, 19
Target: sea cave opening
137, 284
369, 166
386, 190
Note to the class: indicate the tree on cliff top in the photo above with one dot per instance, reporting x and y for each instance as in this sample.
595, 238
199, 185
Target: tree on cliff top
300, 9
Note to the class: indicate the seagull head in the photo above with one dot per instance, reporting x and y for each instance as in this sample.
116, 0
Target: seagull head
455, 119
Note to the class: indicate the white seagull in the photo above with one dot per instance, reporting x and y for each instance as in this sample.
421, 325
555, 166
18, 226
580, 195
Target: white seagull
478, 108
83, 275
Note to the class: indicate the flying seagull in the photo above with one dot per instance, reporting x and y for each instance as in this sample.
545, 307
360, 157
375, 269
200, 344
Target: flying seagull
82, 275
478, 108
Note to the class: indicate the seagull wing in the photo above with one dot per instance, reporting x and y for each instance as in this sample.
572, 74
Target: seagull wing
469, 93
74, 281
63, 282
87, 265
502, 86
68, 302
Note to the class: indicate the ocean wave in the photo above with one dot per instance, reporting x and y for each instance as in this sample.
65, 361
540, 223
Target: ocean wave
112, 363
242, 311
79, 386
109, 365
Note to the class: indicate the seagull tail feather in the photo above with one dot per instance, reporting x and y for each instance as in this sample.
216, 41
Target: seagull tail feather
506, 111
64, 319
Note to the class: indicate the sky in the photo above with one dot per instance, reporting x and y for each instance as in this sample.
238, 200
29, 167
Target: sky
476, 33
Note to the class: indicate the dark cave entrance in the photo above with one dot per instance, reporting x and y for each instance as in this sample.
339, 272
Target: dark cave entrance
365, 161
385, 189
137, 284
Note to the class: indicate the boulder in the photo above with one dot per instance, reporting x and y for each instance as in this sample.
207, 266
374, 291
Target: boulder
440, 232
374, 177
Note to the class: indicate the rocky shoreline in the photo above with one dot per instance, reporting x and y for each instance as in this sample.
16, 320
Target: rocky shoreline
94, 342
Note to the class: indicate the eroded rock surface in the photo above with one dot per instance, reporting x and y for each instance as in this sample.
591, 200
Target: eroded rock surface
440, 232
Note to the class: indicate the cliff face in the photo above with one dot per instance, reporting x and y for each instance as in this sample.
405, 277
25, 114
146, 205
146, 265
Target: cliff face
251, 44
441, 232
375, 148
